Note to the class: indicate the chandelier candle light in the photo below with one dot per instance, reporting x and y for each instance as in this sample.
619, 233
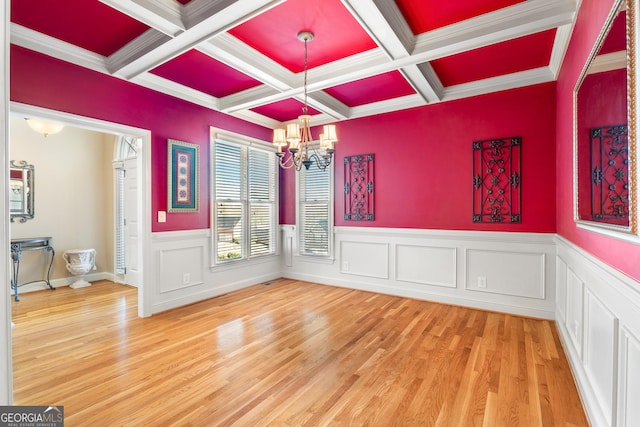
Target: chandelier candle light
298, 135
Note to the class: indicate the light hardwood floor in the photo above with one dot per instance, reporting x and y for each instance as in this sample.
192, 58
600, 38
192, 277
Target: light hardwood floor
287, 354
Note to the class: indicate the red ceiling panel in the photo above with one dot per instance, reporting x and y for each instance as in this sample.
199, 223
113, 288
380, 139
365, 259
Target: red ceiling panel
88, 24
274, 33
427, 15
198, 71
372, 89
497, 59
283, 111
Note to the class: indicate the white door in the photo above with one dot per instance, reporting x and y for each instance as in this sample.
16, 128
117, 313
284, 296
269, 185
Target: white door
131, 223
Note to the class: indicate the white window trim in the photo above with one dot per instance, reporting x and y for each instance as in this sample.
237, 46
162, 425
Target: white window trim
330, 258
236, 138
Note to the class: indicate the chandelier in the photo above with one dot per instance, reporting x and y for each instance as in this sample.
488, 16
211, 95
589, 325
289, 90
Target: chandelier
303, 150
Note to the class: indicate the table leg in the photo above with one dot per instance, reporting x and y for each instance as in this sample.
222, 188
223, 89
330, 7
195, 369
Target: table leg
53, 253
15, 256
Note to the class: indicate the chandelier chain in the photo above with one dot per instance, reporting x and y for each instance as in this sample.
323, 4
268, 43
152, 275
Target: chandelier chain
306, 63
302, 150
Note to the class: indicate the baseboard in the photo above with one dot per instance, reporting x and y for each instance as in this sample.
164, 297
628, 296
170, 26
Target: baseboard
65, 281
427, 296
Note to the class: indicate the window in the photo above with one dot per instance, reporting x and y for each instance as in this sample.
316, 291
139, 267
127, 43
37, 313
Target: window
315, 211
126, 151
244, 199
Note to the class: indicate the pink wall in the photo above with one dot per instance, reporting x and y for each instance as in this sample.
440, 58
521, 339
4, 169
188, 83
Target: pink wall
42, 81
423, 159
619, 254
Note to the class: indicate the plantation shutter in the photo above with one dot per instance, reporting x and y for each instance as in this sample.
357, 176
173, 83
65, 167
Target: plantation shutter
314, 204
229, 186
261, 201
120, 237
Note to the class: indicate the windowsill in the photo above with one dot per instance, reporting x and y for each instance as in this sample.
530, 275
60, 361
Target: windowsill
316, 259
243, 263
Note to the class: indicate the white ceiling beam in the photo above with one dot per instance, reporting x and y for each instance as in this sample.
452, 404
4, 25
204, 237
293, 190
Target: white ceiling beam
162, 15
425, 81
329, 105
495, 84
222, 15
384, 22
519, 20
177, 90
234, 53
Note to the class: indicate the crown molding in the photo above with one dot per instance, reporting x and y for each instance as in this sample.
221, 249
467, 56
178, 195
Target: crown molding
38, 42
560, 45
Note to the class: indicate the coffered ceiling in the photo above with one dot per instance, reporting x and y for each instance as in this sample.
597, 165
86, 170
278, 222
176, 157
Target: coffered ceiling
243, 57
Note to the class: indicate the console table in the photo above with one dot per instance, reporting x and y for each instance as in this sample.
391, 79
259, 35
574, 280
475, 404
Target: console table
29, 244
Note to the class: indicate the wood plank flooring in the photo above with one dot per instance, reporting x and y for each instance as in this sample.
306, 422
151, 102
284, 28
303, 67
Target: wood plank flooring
288, 354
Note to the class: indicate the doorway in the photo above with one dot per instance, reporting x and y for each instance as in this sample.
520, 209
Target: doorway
127, 218
138, 231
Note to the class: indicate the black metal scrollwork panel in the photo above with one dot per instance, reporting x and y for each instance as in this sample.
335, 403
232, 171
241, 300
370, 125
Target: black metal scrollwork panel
610, 173
497, 180
358, 188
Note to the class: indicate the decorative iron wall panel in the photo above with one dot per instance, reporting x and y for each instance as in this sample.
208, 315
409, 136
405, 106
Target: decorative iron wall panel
358, 188
610, 172
497, 180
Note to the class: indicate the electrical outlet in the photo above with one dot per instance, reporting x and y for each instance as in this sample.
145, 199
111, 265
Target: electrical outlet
345, 265
482, 282
186, 278
162, 216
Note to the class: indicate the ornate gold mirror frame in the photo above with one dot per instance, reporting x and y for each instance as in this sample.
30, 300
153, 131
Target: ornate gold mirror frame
619, 198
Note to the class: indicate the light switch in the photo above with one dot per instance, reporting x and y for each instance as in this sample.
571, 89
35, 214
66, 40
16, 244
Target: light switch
162, 216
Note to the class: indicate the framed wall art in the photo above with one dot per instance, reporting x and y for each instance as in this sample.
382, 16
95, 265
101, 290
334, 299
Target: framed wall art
183, 174
497, 180
358, 188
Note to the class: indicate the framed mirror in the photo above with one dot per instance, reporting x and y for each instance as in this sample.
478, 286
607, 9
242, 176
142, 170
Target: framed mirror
605, 168
21, 191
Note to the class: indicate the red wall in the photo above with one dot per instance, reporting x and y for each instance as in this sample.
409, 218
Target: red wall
602, 102
43, 81
619, 254
423, 160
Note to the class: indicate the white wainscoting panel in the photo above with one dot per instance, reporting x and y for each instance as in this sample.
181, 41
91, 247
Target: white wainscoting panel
521, 274
629, 380
365, 259
181, 273
575, 306
180, 268
600, 335
600, 352
433, 265
561, 290
428, 265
